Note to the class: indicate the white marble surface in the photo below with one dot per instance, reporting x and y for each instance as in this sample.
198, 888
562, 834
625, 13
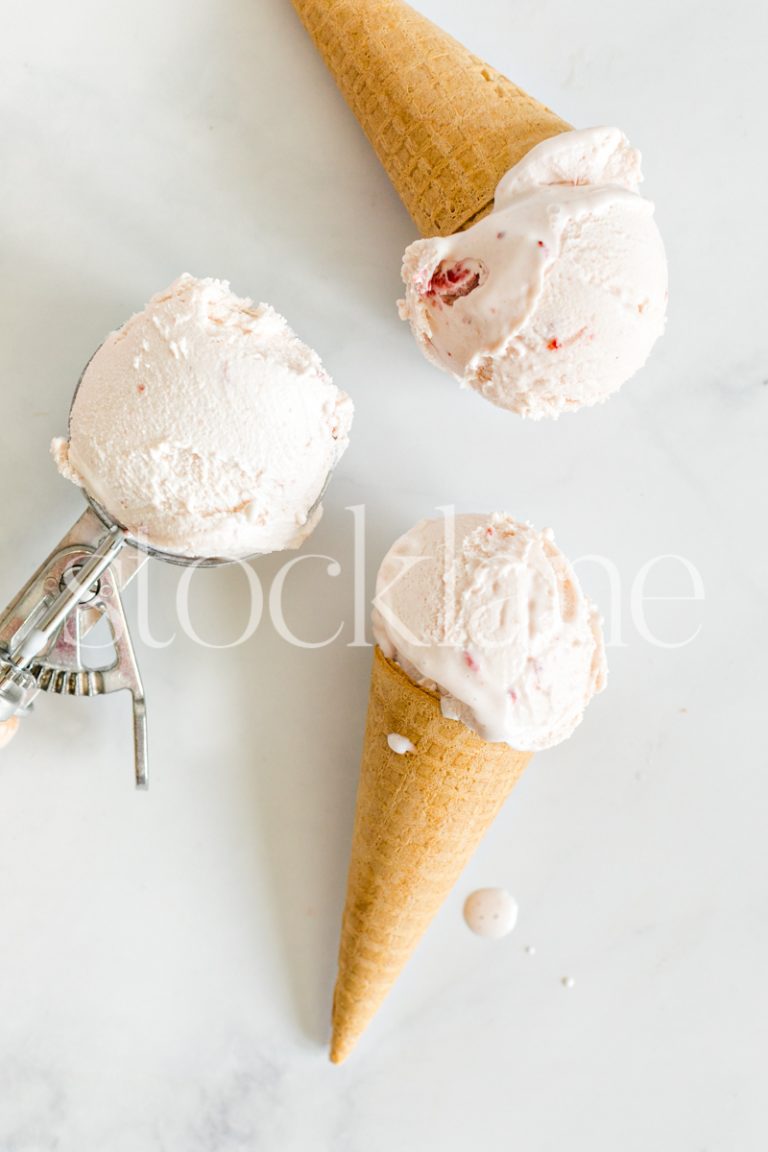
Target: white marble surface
166, 960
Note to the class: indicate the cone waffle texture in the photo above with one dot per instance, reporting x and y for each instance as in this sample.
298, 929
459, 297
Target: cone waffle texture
445, 125
419, 818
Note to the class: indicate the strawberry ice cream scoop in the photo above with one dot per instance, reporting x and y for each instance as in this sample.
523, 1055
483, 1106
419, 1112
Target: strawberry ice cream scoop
556, 298
488, 612
206, 427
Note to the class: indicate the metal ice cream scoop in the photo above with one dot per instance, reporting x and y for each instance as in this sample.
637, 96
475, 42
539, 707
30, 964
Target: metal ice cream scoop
78, 585
42, 629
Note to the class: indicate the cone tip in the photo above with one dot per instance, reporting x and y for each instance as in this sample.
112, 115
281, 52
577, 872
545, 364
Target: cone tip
339, 1050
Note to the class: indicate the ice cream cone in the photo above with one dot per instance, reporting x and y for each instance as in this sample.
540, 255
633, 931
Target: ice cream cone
445, 125
420, 816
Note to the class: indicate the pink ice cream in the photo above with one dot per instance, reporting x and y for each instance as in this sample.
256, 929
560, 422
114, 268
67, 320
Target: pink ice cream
206, 426
556, 298
488, 612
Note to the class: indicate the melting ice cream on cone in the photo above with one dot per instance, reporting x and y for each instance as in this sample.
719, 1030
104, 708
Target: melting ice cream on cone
542, 280
555, 298
487, 650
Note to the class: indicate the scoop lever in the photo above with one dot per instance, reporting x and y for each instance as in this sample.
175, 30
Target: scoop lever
42, 630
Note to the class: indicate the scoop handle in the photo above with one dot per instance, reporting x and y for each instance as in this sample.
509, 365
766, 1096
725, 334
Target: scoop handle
35, 624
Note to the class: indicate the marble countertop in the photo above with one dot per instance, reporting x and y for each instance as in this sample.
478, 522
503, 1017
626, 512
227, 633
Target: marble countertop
167, 959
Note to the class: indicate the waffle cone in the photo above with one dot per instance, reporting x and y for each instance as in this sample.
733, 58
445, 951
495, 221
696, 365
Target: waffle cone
419, 819
445, 125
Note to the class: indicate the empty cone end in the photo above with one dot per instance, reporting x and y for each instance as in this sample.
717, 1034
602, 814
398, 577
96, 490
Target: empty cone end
445, 125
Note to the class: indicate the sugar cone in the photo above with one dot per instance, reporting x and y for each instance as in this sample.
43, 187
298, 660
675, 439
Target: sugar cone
445, 125
419, 819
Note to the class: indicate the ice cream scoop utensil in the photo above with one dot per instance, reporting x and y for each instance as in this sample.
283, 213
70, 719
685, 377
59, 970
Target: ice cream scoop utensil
42, 629
79, 584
